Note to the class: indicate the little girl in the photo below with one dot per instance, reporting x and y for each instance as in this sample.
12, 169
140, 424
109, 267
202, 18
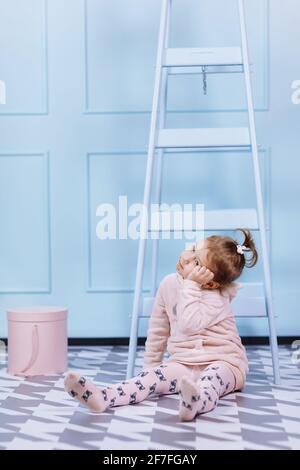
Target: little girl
192, 318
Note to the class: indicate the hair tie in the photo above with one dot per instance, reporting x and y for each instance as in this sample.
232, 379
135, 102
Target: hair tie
241, 248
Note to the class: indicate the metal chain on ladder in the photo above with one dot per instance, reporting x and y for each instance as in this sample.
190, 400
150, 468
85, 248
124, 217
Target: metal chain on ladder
204, 76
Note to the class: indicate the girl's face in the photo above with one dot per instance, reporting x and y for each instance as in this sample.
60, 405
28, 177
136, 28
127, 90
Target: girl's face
191, 257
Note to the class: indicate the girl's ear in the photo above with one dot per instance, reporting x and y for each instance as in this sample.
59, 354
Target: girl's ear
212, 285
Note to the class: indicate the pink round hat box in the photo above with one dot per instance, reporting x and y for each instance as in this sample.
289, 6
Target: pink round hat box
37, 340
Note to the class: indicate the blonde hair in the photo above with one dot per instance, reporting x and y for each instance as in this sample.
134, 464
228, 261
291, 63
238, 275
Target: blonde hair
224, 260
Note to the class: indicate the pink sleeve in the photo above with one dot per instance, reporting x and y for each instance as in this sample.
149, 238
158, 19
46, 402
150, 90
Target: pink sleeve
158, 332
197, 309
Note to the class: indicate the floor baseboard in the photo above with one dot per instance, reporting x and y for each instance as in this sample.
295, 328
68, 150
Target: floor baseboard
246, 340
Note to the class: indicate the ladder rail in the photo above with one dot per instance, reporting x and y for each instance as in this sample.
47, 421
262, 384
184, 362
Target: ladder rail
158, 191
159, 157
147, 192
259, 198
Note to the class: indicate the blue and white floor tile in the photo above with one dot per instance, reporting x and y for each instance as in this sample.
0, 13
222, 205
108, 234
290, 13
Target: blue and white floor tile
36, 413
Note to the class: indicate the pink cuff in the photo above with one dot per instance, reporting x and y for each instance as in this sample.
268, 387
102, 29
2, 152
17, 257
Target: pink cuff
189, 282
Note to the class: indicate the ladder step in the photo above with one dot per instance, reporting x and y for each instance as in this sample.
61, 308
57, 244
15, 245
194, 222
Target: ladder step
249, 302
230, 219
204, 137
185, 57
222, 220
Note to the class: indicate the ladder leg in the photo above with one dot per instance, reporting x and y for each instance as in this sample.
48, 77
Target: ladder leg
159, 171
136, 308
147, 192
160, 153
259, 199
155, 242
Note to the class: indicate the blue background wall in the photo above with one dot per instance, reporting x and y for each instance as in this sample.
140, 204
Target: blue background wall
74, 131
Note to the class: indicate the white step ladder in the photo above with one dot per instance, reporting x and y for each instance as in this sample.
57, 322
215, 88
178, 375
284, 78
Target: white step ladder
256, 298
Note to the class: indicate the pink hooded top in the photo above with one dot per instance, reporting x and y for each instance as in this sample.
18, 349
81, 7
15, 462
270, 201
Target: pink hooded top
196, 326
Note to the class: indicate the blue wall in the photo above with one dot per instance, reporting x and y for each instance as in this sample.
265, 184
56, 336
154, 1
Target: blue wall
79, 78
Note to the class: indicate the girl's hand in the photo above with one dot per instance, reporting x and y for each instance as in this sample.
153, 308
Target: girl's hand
201, 274
179, 269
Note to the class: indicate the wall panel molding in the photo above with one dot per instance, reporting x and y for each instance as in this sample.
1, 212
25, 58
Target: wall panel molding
44, 110
47, 288
91, 286
263, 106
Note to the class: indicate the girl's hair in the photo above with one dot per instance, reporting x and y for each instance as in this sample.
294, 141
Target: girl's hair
224, 260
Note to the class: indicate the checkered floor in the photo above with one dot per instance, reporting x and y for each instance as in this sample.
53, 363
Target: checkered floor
36, 413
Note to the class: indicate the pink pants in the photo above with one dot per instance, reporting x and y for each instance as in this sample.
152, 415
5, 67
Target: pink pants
216, 380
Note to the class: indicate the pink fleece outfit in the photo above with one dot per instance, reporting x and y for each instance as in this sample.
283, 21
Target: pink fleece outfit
207, 359
196, 326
